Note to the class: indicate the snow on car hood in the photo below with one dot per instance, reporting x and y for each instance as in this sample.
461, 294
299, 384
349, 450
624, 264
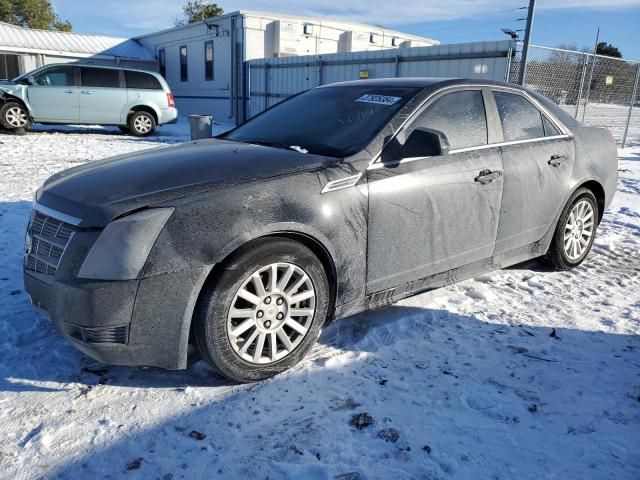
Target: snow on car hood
99, 191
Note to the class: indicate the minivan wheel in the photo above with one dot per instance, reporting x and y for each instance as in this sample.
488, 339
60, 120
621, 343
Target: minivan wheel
575, 231
13, 115
141, 124
264, 311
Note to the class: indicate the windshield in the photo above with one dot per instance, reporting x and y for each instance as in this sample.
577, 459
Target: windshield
333, 121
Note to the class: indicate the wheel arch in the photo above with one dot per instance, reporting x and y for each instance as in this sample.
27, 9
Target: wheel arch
142, 108
598, 191
7, 97
318, 248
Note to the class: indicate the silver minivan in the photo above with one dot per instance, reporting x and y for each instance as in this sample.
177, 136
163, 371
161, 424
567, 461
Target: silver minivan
134, 100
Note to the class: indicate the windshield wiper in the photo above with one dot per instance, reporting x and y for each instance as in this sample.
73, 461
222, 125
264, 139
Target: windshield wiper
270, 143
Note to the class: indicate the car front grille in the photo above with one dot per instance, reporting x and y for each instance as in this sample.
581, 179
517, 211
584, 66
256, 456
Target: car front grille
49, 237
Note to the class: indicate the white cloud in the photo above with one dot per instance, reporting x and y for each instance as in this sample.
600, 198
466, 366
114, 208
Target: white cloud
150, 15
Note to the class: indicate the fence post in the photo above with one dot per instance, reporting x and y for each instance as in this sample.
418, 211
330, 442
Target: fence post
266, 85
397, 66
320, 63
582, 77
586, 100
507, 73
633, 99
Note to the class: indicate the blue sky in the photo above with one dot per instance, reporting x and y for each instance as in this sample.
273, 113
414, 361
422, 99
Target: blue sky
568, 22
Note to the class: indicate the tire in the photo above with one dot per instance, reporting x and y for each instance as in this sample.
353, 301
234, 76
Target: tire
14, 115
141, 124
570, 244
238, 356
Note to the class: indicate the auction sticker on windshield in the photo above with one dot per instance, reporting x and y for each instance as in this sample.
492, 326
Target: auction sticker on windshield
378, 99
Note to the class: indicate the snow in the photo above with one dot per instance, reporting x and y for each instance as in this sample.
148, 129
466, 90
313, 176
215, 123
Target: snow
522, 373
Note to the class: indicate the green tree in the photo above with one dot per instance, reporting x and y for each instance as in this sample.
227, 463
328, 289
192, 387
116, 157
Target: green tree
196, 11
32, 14
608, 50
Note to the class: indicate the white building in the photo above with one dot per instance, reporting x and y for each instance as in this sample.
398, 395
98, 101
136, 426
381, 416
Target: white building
204, 62
23, 49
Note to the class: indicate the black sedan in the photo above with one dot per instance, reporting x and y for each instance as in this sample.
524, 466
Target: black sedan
341, 199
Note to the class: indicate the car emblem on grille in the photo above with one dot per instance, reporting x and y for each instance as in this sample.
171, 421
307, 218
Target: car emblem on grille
28, 244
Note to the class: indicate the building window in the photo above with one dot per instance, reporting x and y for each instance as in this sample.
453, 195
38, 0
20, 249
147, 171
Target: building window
162, 60
308, 29
184, 67
395, 41
208, 60
373, 38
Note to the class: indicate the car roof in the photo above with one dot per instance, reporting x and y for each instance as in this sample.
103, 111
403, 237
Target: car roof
93, 65
421, 82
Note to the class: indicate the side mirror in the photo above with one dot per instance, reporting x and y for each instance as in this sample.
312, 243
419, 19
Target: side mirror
30, 80
425, 142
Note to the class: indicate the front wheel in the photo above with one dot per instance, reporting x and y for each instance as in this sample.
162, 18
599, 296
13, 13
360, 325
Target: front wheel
13, 116
264, 312
141, 124
575, 231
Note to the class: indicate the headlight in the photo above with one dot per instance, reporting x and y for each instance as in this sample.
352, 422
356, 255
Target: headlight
124, 245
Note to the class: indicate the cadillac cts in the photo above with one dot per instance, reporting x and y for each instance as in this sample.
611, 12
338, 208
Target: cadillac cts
341, 199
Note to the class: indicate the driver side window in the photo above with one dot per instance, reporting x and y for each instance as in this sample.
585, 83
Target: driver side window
460, 116
55, 77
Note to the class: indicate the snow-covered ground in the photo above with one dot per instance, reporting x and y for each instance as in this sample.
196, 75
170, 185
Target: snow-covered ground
523, 373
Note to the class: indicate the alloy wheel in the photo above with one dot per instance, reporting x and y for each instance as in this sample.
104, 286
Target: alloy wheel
143, 124
578, 230
16, 117
271, 313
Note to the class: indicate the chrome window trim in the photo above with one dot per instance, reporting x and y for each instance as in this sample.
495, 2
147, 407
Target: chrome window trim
377, 165
63, 217
565, 132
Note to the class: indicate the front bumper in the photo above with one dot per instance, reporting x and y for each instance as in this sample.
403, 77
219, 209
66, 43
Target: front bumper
141, 322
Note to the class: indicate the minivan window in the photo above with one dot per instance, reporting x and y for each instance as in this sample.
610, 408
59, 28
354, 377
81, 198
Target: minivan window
99, 77
141, 80
460, 116
55, 77
520, 119
332, 121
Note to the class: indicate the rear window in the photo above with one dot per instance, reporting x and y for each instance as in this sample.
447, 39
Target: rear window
99, 77
141, 80
520, 119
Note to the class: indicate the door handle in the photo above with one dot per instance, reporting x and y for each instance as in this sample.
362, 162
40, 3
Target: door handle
69, 91
86, 92
557, 160
487, 176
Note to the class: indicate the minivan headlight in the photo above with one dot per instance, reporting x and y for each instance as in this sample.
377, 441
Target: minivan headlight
124, 245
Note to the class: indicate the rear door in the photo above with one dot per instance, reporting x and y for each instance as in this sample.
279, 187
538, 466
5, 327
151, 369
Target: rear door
102, 96
432, 214
54, 96
538, 156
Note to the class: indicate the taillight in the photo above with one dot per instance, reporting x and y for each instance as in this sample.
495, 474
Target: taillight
170, 101
610, 133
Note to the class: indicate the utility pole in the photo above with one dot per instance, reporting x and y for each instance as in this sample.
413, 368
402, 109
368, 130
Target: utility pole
527, 39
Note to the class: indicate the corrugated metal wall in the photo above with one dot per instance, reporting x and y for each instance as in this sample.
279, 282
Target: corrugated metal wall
271, 80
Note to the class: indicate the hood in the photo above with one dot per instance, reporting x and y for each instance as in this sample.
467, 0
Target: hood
99, 191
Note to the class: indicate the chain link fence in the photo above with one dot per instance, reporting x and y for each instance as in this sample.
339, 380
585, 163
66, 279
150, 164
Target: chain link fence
597, 90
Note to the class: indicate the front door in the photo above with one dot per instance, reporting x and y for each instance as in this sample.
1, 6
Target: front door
538, 161
101, 96
433, 214
53, 96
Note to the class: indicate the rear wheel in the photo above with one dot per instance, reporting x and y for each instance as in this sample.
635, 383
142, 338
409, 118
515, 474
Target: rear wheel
265, 311
575, 231
13, 115
142, 124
